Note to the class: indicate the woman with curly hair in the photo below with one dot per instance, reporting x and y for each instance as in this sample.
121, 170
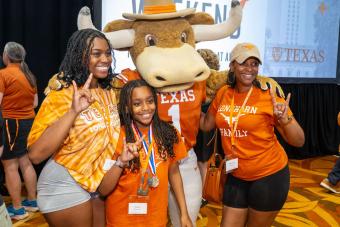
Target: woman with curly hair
78, 125
146, 161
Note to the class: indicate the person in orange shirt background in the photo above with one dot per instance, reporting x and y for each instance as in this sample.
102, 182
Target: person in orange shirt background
258, 183
140, 186
78, 124
5, 219
18, 98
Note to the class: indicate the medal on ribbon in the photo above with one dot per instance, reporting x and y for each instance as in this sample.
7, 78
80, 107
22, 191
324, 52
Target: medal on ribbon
147, 158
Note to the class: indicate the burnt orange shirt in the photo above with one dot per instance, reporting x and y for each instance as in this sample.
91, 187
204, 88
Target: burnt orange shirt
182, 108
91, 140
117, 202
18, 95
257, 148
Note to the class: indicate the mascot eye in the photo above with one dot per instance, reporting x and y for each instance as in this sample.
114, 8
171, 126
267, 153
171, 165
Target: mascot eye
150, 40
184, 37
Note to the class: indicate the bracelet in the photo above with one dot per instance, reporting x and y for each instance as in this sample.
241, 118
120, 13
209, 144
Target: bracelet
290, 118
119, 163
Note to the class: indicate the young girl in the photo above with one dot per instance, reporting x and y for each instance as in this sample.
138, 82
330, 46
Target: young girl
145, 164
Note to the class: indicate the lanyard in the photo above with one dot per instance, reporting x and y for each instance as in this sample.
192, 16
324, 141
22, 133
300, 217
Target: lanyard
148, 150
232, 125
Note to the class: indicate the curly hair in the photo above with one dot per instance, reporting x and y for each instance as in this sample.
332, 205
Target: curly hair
165, 134
210, 58
75, 63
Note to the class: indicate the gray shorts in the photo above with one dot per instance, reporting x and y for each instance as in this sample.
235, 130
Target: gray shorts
57, 190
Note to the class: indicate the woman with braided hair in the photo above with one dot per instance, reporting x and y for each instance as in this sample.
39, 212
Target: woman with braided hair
18, 98
78, 125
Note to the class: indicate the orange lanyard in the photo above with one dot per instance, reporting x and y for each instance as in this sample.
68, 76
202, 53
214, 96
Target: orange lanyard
231, 124
9, 135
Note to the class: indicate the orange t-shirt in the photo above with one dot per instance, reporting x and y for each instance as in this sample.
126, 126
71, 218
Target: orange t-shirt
90, 141
18, 95
182, 108
257, 148
118, 201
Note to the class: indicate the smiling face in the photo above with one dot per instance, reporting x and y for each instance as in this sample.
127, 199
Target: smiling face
100, 59
245, 73
142, 106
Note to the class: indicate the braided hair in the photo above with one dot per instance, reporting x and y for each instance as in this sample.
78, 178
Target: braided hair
165, 134
75, 63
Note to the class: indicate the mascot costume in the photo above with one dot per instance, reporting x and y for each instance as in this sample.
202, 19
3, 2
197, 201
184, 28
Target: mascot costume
161, 42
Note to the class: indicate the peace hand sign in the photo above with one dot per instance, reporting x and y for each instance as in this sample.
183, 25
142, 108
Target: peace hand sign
82, 98
280, 109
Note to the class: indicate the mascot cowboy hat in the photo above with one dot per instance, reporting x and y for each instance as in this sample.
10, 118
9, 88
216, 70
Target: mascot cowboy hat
159, 9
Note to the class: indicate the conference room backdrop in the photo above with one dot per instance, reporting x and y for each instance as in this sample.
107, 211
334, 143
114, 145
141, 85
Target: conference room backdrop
44, 26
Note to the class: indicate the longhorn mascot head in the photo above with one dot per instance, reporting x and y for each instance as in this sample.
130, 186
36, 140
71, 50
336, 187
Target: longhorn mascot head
161, 41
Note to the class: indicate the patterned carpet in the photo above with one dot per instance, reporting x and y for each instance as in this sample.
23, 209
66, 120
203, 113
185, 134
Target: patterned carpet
307, 205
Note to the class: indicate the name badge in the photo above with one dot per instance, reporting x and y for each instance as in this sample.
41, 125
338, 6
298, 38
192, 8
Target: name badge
138, 205
138, 208
231, 165
108, 164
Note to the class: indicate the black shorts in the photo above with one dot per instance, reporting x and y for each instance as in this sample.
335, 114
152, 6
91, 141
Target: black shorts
15, 133
266, 194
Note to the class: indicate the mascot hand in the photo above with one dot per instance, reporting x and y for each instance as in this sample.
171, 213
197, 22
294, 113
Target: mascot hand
267, 83
55, 84
214, 82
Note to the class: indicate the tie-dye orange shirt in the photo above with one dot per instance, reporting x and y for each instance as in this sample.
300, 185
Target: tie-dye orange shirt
90, 141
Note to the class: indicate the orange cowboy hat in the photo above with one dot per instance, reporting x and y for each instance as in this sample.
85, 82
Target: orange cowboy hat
158, 10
